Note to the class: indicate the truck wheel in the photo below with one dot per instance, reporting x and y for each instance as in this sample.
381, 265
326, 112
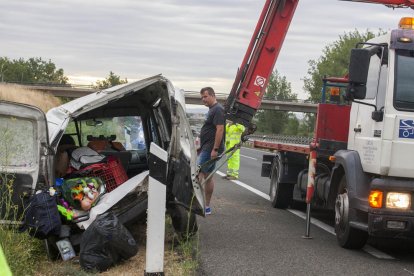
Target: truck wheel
281, 194
347, 236
184, 222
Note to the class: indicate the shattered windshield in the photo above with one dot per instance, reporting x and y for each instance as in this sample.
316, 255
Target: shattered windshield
404, 80
17, 137
127, 130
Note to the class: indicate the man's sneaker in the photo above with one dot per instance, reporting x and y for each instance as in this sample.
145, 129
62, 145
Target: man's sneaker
231, 177
208, 210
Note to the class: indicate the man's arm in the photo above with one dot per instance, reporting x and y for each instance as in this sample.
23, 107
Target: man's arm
217, 140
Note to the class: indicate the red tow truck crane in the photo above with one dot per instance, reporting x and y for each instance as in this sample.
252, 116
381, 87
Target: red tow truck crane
360, 161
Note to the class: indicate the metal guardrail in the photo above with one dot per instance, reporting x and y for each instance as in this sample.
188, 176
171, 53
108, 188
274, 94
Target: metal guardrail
192, 97
189, 92
224, 95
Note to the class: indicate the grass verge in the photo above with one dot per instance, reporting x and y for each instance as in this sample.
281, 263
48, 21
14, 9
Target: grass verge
27, 256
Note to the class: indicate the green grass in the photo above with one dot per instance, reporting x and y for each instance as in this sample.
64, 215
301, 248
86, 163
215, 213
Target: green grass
185, 250
21, 250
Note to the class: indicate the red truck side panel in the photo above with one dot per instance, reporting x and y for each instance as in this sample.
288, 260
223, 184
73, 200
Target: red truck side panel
332, 122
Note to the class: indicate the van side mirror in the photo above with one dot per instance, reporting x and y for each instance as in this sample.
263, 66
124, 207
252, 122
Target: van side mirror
358, 73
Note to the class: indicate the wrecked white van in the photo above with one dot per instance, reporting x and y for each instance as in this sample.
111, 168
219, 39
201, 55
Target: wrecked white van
121, 121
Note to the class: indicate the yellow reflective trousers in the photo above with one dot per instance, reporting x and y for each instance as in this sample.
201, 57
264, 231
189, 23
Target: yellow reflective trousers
233, 137
4, 267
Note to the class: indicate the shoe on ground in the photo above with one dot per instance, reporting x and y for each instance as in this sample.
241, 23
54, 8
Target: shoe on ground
225, 177
208, 210
231, 177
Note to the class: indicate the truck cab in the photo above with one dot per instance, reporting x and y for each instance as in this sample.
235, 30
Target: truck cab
378, 175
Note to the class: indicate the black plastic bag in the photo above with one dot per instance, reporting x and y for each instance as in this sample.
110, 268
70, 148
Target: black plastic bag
105, 243
41, 217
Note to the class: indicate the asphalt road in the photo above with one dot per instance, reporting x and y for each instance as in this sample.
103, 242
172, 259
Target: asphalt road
246, 236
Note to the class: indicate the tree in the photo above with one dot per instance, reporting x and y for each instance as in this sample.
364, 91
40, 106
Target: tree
33, 70
110, 81
272, 121
333, 62
292, 126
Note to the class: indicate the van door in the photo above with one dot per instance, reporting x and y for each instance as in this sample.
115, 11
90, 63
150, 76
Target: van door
183, 162
25, 161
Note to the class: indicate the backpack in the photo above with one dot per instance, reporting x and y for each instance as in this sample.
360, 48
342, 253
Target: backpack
41, 218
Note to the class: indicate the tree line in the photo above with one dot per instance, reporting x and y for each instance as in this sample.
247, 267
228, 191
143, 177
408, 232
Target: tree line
36, 70
333, 61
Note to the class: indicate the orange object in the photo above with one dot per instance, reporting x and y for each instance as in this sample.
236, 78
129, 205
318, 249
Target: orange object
406, 23
335, 91
375, 199
78, 196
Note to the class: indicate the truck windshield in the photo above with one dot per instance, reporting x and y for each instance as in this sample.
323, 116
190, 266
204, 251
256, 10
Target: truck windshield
404, 80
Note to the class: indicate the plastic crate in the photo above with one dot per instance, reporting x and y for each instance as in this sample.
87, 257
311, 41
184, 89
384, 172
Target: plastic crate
111, 172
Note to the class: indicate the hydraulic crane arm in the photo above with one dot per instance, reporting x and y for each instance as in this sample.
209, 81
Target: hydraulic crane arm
253, 75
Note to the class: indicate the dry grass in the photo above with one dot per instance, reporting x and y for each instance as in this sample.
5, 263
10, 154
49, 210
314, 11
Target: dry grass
17, 93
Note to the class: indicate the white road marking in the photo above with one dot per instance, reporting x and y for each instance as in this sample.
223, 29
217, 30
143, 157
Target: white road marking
412, 273
253, 190
314, 221
245, 156
367, 248
259, 150
377, 253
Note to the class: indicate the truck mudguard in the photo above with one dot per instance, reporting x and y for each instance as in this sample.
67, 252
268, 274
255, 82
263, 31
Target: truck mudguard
267, 164
292, 164
348, 164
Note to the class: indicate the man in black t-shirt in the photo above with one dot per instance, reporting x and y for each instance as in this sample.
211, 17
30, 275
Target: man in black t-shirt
211, 139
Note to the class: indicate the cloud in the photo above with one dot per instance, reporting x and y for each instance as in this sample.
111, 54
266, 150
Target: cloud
194, 43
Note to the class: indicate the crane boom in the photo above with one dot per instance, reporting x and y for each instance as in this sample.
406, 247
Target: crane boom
253, 75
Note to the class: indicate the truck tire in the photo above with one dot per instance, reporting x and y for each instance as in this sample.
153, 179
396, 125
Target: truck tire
347, 236
184, 222
281, 194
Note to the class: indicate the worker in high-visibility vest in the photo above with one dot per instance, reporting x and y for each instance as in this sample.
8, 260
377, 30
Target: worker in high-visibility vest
4, 267
234, 132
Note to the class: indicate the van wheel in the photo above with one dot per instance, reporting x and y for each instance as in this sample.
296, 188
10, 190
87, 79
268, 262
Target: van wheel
184, 222
281, 194
347, 236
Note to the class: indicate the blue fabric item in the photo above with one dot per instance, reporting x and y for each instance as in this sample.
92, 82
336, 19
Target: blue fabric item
42, 218
208, 210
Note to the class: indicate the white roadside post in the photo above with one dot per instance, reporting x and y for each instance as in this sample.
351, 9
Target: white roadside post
156, 211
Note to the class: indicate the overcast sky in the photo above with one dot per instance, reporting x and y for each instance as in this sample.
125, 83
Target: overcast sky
194, 43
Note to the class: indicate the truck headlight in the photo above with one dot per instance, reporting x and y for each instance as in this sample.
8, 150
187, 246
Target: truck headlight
398, 200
